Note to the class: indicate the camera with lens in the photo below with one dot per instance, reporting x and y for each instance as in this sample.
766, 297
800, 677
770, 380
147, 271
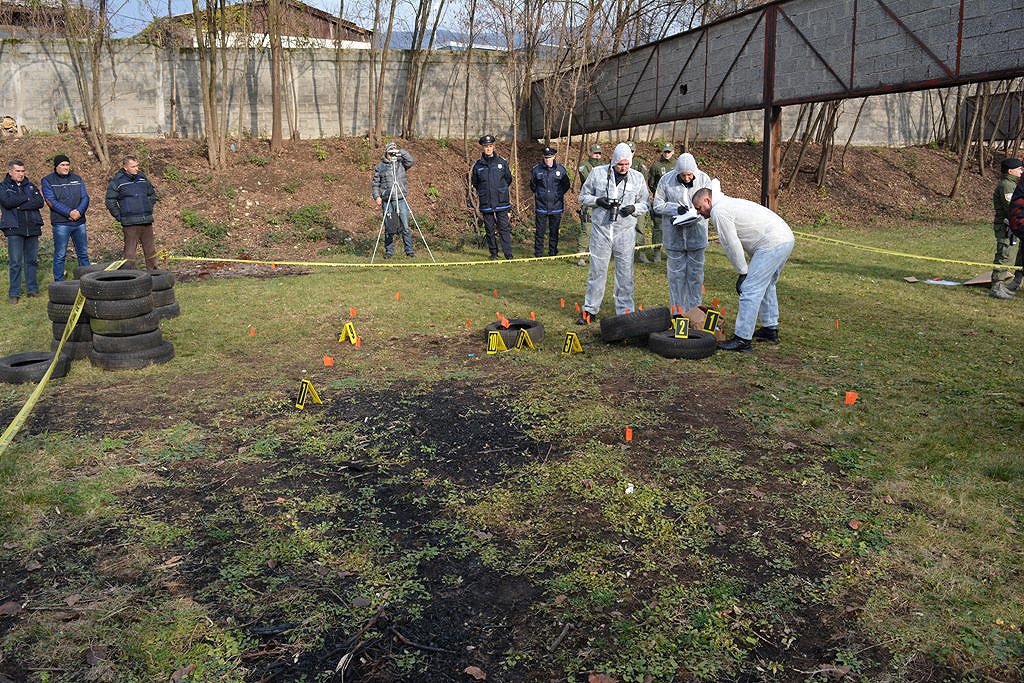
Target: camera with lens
613, 208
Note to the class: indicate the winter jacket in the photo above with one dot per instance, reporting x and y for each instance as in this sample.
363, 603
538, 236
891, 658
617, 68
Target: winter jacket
65, 193
1015, 212
656, 172
602, 183
745, 227
549, 186
669, 195
20, 204
390, 174
1001, 198
130, 199
491, 178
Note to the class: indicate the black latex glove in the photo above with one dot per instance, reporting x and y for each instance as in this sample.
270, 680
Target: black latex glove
739, 284
604, 203
683, 208
627, 210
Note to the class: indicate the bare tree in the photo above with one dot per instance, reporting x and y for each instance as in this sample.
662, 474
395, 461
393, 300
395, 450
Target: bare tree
274, 18
210, 25
87, 28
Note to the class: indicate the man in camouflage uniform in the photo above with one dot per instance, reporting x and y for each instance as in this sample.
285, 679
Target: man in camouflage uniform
663, 165
1012, 169
643, 222
595, 160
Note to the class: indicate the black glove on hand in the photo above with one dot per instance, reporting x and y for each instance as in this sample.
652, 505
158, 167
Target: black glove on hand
604, 203
683, 208
739, 284
627, 210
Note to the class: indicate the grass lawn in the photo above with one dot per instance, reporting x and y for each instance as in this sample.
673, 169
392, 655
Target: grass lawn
445, 510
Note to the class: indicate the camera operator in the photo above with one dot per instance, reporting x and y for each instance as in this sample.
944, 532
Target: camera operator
617, 195
390, 186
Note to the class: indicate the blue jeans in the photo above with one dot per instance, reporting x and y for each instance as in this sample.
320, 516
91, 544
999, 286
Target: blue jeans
23, 252
403, 215
758, 290
61, 233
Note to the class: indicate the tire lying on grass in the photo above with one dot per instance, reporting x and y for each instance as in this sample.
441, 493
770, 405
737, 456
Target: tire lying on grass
73, 350
63, 292
134, 360
127, 326
163, 297
81, 332
31, 366
59, 313
698, 345
636, 324
130, 344
510, 334
116, 285
164, 312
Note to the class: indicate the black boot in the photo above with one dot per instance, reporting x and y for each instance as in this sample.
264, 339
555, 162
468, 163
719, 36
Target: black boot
736, 344
768, 334
587, 318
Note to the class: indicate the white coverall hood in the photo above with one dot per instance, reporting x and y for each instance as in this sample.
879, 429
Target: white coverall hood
686, 164
716, 192
621, 151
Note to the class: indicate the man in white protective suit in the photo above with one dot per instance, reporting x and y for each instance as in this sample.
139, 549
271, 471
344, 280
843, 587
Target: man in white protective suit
746, 229
684, 231
617, 195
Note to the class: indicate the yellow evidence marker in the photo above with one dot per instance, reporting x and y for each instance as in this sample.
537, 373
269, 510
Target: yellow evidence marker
495, 343
348, 333
524, 340
572, 343
306, 392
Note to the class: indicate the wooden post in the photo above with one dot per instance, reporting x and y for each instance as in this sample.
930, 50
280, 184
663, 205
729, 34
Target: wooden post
772, 117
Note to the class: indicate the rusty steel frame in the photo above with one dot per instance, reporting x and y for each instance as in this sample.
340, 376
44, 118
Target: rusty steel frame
768, 18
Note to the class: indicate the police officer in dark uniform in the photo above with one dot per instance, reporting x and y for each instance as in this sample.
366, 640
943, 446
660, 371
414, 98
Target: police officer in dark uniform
549, 182
491, 178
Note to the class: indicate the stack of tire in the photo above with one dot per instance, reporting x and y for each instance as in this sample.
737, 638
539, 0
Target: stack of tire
164, 302
62, 300
123, 318
655, 327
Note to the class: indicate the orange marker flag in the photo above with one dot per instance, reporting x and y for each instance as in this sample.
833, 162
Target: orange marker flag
328, 361
627, 311
562, 301
252, 331
714, 302
495, 292
703, 289
586, 316
837, 323
398, 296
468, 324
504, 322
273, 266
641, 307
629, 433
533, 316
352, 312
577, 306
497, 314
359, 342
851, 397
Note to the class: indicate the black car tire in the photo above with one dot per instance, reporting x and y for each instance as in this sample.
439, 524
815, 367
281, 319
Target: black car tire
164, 312
698, 345
81, 332
129, 344
59, 313
635, 324
63, 292
73, 350
126, 327
510, 334
163, 297
162, 279
116, 285
134, 360
30, 366
119, 310
92, 268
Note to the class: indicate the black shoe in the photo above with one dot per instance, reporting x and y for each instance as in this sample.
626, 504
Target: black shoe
32, 295
736, 344
387, 255
410, 254
767, 334
508, 257
494, 257
587, 318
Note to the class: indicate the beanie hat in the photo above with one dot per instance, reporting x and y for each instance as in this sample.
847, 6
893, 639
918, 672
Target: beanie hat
1011, 163
686, 164
621, 151
60, 159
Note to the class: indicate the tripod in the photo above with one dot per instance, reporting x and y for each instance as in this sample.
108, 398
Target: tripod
396, 195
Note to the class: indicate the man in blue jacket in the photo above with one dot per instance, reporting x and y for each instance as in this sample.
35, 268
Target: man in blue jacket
130, 198
64, 192
491, 178
549, 182
22, 225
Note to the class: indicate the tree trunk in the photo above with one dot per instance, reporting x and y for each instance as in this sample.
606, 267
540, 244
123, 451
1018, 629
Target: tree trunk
966, 150
274, 22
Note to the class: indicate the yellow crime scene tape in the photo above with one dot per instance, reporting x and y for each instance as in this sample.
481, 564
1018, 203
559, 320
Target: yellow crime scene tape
889, 252
26, 410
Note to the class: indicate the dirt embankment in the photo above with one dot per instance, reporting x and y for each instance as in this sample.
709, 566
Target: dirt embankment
314, 198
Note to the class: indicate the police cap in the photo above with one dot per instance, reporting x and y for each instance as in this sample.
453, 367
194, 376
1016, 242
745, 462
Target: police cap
487, 139
549, 152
